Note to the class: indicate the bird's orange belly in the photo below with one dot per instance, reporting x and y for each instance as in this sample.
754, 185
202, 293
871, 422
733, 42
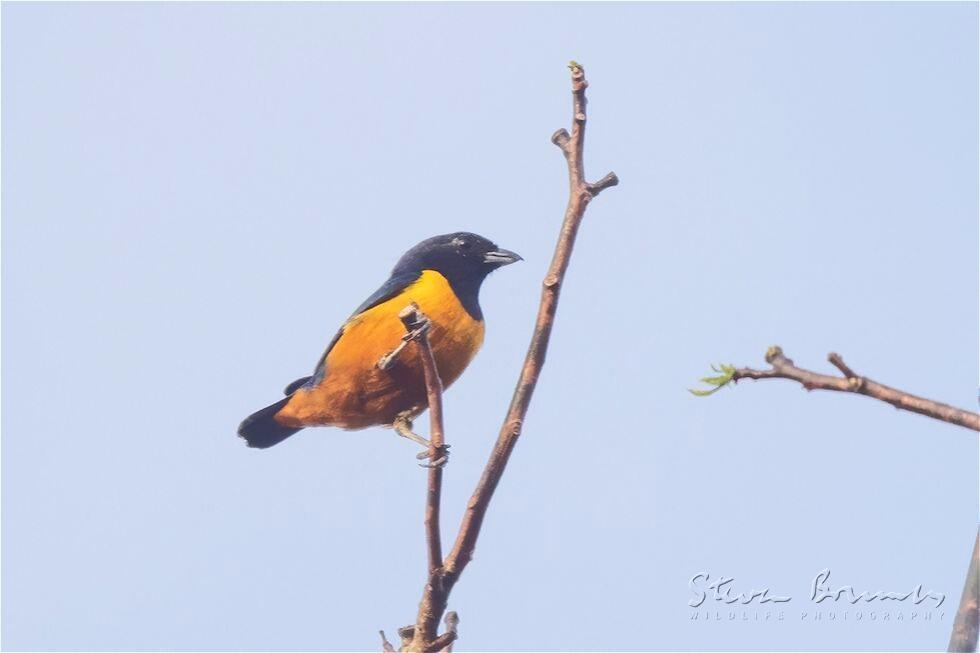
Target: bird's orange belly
356, 393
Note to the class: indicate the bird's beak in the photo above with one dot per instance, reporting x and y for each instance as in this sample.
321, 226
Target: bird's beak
501, 257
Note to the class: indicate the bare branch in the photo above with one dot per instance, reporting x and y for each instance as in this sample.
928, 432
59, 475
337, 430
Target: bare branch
783, 368
422, 635
966, 626
608, 181
444, 641
578, 198
561, 138
435, 596
838, 362
417, 325
967, 623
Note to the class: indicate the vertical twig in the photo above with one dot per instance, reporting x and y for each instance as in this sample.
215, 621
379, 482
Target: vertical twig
435, 596
966, 626
417, 326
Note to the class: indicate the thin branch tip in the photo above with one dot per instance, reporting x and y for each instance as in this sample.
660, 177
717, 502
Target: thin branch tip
773, 353
784, 368
608, 181
561, 138
441, 642
578, 76
451, 620
415, 321
837, 361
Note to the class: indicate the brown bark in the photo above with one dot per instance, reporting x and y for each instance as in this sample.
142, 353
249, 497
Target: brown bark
966, 626
783, 368
417, 326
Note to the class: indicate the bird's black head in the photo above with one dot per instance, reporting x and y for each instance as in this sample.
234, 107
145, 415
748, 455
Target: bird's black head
456, 256
465, 259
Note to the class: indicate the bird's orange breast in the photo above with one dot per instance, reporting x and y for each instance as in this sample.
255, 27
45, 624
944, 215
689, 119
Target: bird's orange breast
355, 393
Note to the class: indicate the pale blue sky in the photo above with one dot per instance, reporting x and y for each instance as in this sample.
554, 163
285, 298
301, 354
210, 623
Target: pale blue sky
196, 195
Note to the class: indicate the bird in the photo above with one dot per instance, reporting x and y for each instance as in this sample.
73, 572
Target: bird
348, 389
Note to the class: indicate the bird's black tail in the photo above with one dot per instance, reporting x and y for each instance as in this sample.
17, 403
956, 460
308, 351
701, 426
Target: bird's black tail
261, 430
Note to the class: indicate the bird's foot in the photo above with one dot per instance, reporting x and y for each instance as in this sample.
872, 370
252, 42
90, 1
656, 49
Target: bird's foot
439, 455
403, 427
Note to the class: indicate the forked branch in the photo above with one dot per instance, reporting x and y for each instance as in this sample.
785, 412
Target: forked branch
783, 368
422, 636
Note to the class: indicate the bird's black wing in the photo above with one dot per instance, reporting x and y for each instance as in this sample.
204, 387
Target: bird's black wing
390, 288
394, 285
296, 385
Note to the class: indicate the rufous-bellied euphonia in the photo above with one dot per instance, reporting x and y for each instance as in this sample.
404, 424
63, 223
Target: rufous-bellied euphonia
348, 389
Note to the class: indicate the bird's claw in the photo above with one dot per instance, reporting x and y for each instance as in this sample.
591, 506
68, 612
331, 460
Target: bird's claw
422, 455
440, 457
403, 427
